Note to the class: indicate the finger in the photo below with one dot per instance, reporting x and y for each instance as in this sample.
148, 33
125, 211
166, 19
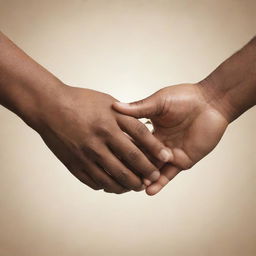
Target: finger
141, 135
120, 173
101, 177
132, 155
159, 164
147, 107
72, 163
86, 179
156, 162
168, 172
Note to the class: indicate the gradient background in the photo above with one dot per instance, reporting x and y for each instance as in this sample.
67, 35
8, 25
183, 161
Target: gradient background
128, 49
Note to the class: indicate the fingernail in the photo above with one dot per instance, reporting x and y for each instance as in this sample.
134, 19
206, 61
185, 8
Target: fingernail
147, 182
154, 176
165, 155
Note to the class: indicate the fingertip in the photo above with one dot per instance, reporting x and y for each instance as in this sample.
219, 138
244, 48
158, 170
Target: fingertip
153, 189
166, 155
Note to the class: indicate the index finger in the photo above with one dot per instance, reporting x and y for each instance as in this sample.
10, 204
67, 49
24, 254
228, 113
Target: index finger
141, 134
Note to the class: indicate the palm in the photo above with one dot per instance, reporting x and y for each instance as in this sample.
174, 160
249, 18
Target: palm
189, 126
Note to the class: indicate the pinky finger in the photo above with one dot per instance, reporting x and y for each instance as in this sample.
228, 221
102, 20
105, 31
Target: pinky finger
86, 179
168, 172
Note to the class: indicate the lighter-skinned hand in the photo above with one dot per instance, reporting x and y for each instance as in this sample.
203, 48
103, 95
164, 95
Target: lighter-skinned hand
184, 121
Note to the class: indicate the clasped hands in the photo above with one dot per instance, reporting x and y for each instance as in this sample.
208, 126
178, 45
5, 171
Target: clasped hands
103, 144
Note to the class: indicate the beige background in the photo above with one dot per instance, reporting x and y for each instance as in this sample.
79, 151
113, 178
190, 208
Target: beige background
129, 49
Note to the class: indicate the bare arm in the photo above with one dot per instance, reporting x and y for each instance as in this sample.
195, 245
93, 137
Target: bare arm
191, 118
24, 84
78, 125
231, 88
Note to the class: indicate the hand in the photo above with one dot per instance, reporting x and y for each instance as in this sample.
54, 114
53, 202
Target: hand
87, 135
184, 121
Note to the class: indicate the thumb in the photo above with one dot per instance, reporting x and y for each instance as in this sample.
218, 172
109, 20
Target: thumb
142, 108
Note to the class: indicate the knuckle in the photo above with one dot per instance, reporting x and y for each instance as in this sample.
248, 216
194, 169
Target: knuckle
97, 122
105, 184
104, 132
140, 129
133, 155
139, 103
122, 176
90, 151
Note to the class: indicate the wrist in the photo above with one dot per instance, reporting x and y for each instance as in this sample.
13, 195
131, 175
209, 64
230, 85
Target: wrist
30, 101
215, 95
231, 88
45, 104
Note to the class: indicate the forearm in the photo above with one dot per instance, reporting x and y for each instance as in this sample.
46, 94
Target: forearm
25, 86
231, 88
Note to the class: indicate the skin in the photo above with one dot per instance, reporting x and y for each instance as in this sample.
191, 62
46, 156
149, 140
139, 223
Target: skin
79, 125
91, 143
184, 122
107, 150
191, 118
